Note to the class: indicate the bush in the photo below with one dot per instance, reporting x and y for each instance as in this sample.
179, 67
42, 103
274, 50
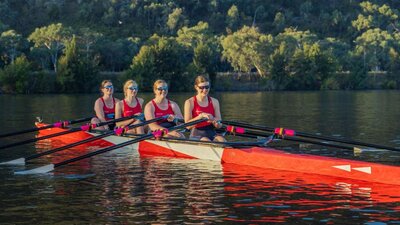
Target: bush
330, 84
14, 77
43, 82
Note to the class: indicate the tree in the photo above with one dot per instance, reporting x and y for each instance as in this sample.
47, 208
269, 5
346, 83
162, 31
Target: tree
12, 43
279, 21
175, 20
160, 59
232, 18
76, 71
191, 36
88, 38
202, 47
247, 49
373, 46
65, 73
52, 37
14, 77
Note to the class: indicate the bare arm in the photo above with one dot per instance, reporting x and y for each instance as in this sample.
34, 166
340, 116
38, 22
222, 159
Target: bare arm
177, 110
217, 113
98, 109
149, 115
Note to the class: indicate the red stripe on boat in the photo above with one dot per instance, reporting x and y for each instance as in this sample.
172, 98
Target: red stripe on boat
275, 159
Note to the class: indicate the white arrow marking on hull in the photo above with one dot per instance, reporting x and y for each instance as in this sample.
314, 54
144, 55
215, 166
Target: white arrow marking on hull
363, 169
344, 167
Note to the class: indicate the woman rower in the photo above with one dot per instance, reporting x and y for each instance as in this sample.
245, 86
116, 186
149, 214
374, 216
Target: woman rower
104, 106
131, 105
203, 106
161, 106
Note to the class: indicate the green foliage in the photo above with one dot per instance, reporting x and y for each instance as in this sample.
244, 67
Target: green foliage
247, 49
53, 38
175, 20
330, 83
232, 18
43, 82
349, 37
65, 73
373, 45
160, 59
77, 72
13, 44
300, 63
14, 77
358, 74
393, 80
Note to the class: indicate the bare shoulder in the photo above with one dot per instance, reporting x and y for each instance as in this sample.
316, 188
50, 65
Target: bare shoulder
119, 104
214, 100
98, 102
189, 100
173, 103
149, 105
140, 100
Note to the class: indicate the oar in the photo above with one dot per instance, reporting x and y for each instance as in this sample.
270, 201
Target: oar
255, 134
308, 135
22, 161
157, 134
82, 128
56, 124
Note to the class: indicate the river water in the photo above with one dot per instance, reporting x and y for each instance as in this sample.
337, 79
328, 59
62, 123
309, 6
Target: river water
120, 187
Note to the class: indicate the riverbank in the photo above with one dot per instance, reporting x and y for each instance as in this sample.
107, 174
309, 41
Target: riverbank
43, 82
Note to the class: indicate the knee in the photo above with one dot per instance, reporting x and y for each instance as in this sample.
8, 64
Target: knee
219, 139
205, 139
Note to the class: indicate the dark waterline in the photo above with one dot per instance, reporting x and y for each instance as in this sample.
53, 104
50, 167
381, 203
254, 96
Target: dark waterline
119, 187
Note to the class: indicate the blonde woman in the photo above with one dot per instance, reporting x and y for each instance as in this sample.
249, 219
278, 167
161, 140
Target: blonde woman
104, 107
131, 105
203, 106
161, 106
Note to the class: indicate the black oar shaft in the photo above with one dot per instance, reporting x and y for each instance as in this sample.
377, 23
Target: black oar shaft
39, 138
68, 146
147, 136
254, 134
42, 128
62, 133
308, 135
109, 133
144, 137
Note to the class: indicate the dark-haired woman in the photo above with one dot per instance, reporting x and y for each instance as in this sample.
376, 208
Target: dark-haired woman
203, 106
104, 107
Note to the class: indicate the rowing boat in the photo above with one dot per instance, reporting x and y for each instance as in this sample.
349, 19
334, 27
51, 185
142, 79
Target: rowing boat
247, 155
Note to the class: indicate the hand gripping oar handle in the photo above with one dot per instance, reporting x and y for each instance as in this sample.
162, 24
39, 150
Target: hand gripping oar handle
50, 167
308, 135
84, 128
56, 124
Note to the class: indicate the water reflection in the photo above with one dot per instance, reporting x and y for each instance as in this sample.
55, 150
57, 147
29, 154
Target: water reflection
162, 190
272, 196
120, 187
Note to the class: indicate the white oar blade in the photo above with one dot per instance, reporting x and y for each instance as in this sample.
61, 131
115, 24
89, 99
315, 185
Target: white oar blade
20, 161
361, 150
43, 169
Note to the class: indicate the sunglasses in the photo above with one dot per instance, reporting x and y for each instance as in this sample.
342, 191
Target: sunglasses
204, 87
108, 87
133, 88
165, 88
